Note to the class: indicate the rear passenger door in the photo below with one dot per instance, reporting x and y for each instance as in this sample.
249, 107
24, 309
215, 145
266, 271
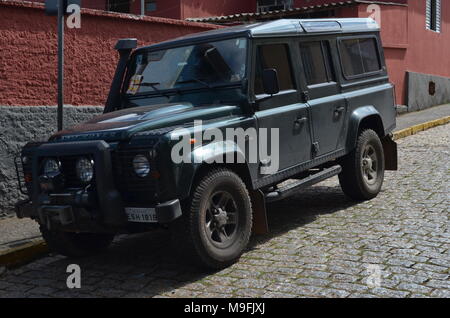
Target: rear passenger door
328, 106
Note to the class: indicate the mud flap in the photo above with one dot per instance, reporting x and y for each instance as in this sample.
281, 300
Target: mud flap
390, 154
260, 225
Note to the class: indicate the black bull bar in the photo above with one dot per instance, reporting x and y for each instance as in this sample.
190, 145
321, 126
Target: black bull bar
109, 199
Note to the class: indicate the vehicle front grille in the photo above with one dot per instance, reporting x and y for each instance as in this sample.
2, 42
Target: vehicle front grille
68, 169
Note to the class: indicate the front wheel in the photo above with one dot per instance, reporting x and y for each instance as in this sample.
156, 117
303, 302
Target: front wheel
363, 169
216, 224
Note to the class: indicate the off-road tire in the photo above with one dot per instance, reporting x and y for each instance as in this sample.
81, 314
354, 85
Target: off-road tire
192, 236
76, 244
353, 179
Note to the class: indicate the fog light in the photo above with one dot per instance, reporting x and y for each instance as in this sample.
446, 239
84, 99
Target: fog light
141, 166
85, 169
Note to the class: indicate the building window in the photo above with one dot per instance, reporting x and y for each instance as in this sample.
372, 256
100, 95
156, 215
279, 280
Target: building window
150, 5
316, 59
271, 5
433, 15
274, 56
359, 56
118, 6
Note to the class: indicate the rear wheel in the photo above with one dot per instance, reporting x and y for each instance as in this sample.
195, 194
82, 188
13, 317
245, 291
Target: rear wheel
363, 169
216, 224
76, 244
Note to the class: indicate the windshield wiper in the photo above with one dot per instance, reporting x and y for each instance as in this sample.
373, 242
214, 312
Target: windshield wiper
194, 80
153, 85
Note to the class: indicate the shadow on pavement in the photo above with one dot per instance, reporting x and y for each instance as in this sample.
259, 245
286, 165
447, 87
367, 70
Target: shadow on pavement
301, 209
145, 265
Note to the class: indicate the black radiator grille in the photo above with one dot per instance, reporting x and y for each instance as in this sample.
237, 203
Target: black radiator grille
69, 170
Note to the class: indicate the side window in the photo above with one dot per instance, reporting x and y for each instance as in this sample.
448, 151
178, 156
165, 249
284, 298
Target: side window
274, 56
316, 62
359, 56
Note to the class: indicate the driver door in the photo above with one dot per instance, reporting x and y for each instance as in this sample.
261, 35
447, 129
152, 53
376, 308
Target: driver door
284, 111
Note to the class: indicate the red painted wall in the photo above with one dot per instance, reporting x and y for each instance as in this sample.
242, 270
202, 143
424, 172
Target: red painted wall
305, 3
428, 51
409, 46
89, 4
182, 9
164, 8
28, 52
201, 8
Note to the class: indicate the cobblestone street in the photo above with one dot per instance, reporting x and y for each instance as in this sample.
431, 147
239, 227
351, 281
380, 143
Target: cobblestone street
320, 245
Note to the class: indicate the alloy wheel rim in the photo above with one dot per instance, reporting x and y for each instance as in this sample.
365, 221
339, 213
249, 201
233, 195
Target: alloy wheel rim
221, 221
369, 164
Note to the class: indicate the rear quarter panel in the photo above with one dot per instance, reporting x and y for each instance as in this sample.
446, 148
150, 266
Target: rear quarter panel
380, 97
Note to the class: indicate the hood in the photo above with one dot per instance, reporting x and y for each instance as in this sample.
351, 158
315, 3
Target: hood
124, 123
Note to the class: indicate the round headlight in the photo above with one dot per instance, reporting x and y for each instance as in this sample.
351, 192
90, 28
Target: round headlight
51, 166
141, 166
85, 169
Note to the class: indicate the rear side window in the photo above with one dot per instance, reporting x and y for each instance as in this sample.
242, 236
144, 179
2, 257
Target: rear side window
359, 56
316, 62
274, 56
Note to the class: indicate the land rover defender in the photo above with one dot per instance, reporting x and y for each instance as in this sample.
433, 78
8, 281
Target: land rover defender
315, 94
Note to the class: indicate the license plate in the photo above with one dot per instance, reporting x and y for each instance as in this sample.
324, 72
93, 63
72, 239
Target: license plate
142, 215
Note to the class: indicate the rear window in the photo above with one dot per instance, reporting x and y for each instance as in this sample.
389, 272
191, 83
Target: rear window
359, 56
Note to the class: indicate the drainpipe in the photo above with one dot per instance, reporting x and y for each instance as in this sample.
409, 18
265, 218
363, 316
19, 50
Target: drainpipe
142, 7
124, 47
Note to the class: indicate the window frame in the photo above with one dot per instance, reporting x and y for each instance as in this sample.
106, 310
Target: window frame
147, 2
264, 101
315, 91
327, 60
291, 64
156, 47
433, 18
378, 53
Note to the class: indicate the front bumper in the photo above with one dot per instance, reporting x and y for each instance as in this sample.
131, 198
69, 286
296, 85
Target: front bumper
70, 215
102, 207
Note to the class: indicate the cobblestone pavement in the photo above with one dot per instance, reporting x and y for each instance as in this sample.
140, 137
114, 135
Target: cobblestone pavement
321, 245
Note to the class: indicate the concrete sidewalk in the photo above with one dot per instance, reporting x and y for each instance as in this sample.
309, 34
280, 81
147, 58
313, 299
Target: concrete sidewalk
22, 233
411, 119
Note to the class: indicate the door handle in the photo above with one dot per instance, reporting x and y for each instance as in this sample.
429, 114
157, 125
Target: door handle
339, 109
300, 121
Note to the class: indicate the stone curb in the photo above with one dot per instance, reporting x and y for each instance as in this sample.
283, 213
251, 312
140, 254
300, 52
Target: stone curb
32, 250
23, 254
420, 127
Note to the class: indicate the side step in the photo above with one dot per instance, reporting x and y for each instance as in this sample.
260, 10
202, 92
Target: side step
293, 187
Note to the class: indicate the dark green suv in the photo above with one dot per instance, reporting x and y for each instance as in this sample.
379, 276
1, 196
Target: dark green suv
198, 133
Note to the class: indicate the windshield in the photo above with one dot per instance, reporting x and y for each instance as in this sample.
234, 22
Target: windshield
202, 65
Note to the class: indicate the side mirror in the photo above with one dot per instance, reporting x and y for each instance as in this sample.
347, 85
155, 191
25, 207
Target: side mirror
270, 81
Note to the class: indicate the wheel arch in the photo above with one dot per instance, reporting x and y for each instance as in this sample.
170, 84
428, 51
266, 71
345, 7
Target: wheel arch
241, 169
366, 117
260, 224
203, 160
